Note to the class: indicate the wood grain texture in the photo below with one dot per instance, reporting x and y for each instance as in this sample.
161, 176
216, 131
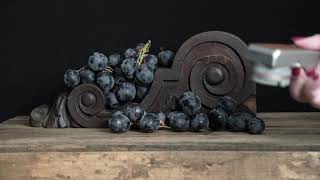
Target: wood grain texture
289, 149
161, 165
285, 132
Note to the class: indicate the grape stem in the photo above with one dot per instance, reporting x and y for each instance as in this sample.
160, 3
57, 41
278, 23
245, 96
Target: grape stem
82, 68
143, 52
109, 69
162, 125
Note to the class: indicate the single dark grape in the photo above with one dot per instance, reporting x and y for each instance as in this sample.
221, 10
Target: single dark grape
112, 101
128, 67
105, 81
134, 113
166, 58
151, 61
170, 115
199, 122
144, 74
117, 113
218, 119
126, 92
130, 53
71, 78
149, 122
237, 122
87, 76
139, 47
115, 60
256, 126
98, 61
190, 103
141, 92
179, 122
227, 103
119, 123
118, 76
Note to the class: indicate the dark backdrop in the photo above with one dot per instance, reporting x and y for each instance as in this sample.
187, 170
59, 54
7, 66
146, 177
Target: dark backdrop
41, 39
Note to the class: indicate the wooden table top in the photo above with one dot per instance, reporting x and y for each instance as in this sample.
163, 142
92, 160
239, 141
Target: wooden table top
284, 132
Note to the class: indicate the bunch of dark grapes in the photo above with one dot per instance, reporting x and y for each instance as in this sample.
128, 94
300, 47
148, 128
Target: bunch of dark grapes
135, 116
122, 78
225, 117
126, 79
188, 117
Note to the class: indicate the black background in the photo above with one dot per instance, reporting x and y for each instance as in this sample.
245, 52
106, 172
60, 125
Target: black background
41, 39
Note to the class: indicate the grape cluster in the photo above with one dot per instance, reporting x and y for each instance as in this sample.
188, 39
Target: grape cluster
121, 78
188, 117
121, 122
124, 79
224, 117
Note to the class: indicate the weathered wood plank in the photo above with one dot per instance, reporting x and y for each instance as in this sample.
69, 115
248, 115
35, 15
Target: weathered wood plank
289, 149
161, 165
285, 132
